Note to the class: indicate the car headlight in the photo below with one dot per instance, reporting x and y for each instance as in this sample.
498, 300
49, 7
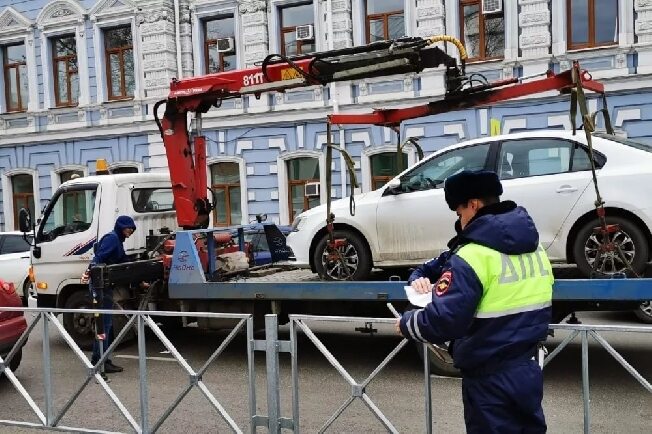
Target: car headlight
298, 223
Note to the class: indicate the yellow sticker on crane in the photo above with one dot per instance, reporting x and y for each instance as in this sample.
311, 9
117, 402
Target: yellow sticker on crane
289, 74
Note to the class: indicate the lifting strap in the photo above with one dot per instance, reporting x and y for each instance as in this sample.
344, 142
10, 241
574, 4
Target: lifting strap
578, 98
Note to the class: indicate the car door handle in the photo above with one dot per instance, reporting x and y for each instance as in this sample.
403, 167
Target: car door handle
566, 189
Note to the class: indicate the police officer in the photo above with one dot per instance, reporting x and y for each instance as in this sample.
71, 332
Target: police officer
109, 250
491, 298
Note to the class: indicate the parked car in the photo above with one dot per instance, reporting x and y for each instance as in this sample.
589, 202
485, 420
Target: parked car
14, 261
12, 324
255, 235
407, 221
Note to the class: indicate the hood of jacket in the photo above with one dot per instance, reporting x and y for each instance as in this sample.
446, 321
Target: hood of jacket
504, 227
123, 222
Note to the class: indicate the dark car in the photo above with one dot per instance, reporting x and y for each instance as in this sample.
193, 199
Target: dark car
255, 235
12, 324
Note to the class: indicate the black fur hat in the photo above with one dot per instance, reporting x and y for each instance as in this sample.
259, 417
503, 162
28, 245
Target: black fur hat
471, 184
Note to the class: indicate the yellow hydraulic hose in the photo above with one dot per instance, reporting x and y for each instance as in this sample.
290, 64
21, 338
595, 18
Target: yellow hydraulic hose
452, 40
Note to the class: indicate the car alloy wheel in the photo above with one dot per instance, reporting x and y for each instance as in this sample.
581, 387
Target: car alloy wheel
610, 262
341, 262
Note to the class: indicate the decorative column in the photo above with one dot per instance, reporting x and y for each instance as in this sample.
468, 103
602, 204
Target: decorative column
157, 31
535, 35
342, 24
185, 32
430, 18
254, 29
643, 34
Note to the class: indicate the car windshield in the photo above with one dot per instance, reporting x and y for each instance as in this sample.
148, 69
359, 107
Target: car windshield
626, 142
69, 212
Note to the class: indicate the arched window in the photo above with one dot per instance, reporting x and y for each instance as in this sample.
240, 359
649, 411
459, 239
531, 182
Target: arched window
384, 167
22, 187
301, 171
225, 183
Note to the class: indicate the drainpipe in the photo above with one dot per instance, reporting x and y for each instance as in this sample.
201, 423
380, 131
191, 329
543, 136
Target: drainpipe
177, 37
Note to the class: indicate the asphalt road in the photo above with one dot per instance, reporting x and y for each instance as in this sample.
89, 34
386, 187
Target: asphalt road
618, 402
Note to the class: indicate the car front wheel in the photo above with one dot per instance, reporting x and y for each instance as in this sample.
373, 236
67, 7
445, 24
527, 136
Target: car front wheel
644, 312
589, 255
349, 260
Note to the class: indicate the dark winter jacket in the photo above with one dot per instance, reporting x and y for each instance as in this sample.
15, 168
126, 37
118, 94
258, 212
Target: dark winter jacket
480, 342
109, 250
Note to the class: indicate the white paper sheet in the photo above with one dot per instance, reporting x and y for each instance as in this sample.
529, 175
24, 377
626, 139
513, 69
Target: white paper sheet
416, 298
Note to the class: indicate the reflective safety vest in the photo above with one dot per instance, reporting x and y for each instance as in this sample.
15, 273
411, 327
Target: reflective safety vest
511, 283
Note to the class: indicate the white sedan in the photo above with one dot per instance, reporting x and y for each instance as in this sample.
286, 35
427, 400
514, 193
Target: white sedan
407, 221
14, 261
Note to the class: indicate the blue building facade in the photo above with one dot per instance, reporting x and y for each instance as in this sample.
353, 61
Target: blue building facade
80, 79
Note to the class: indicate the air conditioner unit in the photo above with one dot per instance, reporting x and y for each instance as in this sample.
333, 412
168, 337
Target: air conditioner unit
312, 189
225, 45
492, 6
305, 33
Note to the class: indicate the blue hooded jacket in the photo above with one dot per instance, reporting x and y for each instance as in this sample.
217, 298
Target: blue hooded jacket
480, 342
109, 250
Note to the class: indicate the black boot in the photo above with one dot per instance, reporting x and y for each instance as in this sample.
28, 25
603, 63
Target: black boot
110, 368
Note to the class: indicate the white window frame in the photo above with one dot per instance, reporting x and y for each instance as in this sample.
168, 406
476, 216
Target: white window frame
281, 164
131, 164
560, 28
199, 37
274, 27
8, 196
23, 33
367, 153
103, 20
55, 175
52, 27
242, 166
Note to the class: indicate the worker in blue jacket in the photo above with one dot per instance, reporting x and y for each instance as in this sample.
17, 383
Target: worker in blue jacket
109, 250
491, 298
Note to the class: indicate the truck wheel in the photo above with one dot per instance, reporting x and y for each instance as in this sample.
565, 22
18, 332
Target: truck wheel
440, 364
644, 312
630, 238
79, 325
357, 258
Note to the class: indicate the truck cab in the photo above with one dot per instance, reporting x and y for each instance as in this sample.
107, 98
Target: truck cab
80, 212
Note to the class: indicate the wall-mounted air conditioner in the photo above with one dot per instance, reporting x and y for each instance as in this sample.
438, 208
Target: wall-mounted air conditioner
305, 33
492, 6
225, 45
312, 189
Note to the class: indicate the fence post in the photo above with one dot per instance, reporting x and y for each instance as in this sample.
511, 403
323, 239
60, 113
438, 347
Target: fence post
585, 382
47, 378
295, 375
142, 367
427, 386
251, 354
273, 392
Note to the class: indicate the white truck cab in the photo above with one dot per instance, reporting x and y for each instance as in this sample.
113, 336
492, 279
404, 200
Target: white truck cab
80, 212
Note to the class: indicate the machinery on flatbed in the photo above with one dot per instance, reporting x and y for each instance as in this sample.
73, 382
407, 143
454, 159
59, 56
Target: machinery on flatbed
182, 263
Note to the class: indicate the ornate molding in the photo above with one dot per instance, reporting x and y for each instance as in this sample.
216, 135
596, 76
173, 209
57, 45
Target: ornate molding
112, 9
60, 12
252, 6
12, 21
534, 21
643, 23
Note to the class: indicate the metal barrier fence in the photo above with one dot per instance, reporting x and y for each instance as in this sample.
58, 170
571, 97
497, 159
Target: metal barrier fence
272, 346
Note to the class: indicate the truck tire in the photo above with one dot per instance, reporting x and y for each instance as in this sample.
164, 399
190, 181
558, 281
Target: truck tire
644, 312
631, 239
356, 255
438, 366
78, 325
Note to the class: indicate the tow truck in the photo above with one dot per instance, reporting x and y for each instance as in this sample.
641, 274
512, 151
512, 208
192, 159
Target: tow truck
183, 263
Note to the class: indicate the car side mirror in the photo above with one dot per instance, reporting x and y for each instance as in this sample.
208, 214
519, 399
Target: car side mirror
393, 187
24, 220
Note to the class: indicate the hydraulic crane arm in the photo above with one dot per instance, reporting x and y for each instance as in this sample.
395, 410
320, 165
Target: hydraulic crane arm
481, 95
277, 73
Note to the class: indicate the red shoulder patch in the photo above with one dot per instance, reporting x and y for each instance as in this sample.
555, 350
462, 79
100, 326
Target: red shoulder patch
443, 283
